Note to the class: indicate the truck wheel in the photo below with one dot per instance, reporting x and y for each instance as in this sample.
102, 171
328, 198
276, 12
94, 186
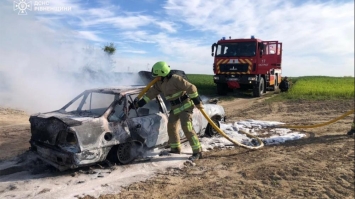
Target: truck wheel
259, 89
222, 89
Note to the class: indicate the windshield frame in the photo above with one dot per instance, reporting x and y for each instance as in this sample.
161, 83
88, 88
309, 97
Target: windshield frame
84, 97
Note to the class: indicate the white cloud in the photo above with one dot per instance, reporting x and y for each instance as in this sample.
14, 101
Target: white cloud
176, 49
100, 12
128, 22
316, 36
62, 3
121, 22
89, 35
314, 31
168, 26
134, 51
109, 15
42, 67
140, 36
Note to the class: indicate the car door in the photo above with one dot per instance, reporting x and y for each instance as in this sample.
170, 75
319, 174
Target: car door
117, 124
148, 124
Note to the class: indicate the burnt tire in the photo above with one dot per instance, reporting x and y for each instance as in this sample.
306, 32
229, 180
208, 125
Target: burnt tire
126, 152
259, 89
210, 131
222, 89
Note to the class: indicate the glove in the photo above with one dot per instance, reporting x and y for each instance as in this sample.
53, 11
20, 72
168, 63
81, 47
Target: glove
136, 104
133, 105
198, 102
199, 106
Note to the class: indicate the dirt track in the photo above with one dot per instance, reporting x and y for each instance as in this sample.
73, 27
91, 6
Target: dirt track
321, 166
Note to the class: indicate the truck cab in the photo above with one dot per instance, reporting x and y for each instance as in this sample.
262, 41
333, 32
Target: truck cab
246, 64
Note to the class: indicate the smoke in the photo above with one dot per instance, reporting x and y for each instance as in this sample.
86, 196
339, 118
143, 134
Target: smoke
41, 68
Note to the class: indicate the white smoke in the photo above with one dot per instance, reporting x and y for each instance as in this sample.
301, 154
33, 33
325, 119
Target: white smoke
42, 68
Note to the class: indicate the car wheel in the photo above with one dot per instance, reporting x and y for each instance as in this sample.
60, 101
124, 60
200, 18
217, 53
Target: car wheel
210, 131
126, 153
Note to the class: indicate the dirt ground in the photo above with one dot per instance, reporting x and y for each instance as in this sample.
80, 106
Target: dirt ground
319, 166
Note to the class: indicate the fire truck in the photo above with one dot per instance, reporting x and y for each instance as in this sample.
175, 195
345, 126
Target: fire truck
246, 64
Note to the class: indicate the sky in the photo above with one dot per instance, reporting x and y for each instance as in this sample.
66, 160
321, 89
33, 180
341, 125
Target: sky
36, 45
110, 181
318, 36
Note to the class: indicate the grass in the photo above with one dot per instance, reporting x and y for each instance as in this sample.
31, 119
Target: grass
306, 87
204, 84
320, 88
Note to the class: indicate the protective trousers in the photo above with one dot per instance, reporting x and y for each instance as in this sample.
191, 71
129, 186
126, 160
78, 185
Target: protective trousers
185, 118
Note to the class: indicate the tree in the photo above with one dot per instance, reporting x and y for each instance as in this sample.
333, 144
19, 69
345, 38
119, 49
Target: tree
110, 49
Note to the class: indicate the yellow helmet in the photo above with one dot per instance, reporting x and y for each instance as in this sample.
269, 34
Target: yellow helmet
161, 69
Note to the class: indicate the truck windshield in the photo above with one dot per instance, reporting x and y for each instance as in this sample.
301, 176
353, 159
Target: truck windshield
238, 49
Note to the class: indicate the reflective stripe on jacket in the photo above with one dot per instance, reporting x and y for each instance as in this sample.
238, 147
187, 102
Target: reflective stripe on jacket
173, 88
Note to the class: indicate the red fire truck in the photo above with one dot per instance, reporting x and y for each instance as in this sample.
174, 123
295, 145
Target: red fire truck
246, 64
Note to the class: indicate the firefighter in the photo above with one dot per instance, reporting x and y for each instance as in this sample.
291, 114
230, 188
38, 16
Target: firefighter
284, 85
352, 130
183, 96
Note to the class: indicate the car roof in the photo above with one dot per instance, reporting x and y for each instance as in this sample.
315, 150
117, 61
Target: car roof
118, 90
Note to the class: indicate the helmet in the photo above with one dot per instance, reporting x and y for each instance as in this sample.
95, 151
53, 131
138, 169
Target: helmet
161, 69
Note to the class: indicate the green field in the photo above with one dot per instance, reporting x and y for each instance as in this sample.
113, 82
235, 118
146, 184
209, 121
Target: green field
204, 84
307, 87
321, 87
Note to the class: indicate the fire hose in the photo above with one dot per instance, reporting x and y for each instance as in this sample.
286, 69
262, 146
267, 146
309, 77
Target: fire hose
315, 125
261, 144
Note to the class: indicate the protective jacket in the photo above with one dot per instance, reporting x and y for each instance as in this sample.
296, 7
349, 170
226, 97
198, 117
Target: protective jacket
183, 96
174, 89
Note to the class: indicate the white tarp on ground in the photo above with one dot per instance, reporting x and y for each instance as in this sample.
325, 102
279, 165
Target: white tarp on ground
95, 181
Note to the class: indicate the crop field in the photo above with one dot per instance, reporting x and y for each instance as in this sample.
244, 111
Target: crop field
307, 87
204, 83
321, 87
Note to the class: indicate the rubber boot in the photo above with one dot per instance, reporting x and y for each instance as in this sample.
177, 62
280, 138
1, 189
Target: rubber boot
195, 156
351, 132
168, 152
175, 150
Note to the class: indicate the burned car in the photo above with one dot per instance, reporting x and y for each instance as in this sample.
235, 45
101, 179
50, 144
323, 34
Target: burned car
97, 125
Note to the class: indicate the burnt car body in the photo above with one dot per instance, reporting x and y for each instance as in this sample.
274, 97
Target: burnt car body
97, 125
